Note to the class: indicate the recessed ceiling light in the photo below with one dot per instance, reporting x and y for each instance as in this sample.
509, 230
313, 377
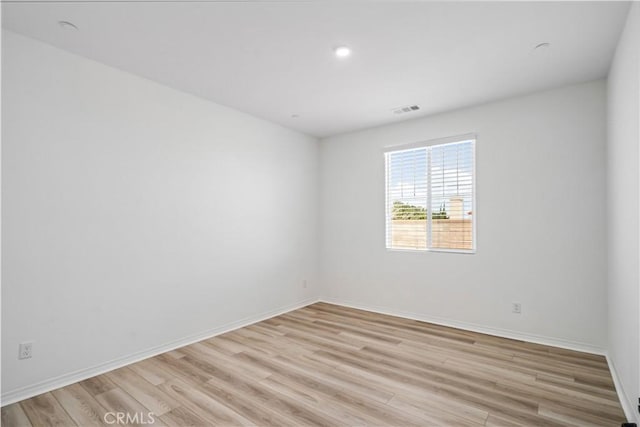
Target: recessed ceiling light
342, 51
67, 25
542, 46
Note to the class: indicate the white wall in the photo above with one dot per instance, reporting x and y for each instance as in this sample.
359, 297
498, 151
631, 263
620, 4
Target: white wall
540, 222
623, 192
136, 216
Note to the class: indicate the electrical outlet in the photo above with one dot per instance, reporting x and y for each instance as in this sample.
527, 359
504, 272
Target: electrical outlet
304, 283
516, 308
25, 350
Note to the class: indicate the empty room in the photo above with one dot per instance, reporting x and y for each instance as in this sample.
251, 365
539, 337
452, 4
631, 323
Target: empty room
320, 213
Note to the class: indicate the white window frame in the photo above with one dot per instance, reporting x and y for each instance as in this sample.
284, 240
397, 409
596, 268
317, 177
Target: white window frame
474, 217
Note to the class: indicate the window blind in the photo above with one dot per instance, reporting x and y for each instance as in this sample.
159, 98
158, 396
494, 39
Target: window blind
430, 196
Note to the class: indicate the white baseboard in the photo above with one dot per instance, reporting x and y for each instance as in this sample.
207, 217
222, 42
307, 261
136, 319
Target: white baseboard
26, 392
628, 406
504, 333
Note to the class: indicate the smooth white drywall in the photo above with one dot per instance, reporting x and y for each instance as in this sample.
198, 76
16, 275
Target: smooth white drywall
134, 215
623, 192
540, 222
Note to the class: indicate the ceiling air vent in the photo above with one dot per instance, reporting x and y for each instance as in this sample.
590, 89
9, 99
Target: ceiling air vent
406, 109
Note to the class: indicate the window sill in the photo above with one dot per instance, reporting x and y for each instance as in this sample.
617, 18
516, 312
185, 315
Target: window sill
452, 251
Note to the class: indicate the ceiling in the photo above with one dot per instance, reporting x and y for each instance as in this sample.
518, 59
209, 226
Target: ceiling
275, 60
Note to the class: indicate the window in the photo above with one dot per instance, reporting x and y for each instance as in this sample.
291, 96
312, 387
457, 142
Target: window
430, 196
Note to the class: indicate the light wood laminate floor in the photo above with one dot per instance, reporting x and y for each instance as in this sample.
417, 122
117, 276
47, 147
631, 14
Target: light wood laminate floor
335, 366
